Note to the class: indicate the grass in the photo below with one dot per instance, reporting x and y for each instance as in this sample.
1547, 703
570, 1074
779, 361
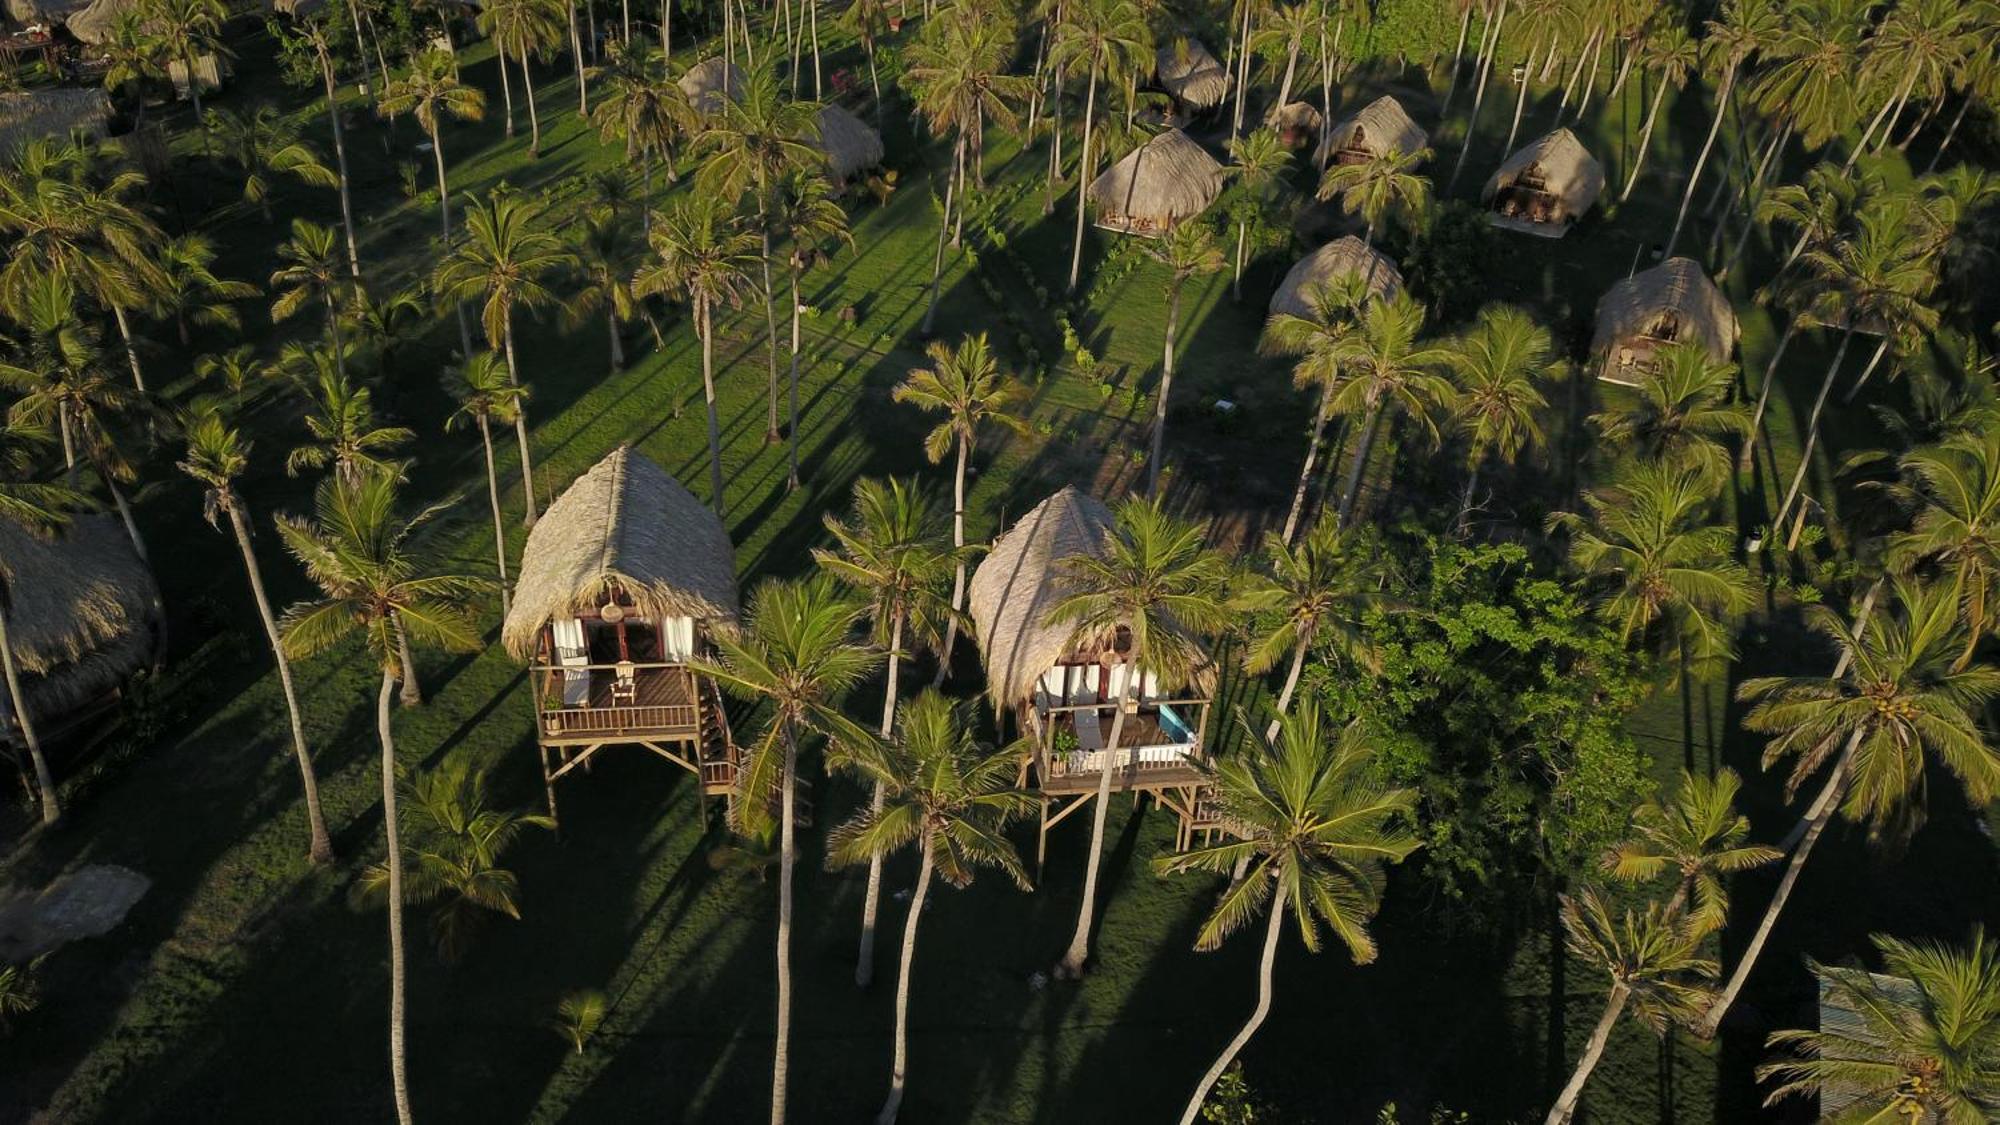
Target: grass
244, 988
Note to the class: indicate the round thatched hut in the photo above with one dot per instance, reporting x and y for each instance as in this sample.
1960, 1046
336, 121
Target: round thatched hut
851, 145
1380, 127
29, 115
1671, 303
1189, 74
708, 82
1546, 187
83, 616
1158, 184
1346, 256
1296, 122
622, 583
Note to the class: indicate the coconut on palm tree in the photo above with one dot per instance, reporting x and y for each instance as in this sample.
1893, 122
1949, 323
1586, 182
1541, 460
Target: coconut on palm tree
344, 434
1499, 367
1312, 829
1188, 251
486, 395
1315, 593
1697, 836
1385, 186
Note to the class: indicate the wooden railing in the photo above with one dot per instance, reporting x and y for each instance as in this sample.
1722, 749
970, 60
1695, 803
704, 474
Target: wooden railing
602, 714
1164, 756
621, 719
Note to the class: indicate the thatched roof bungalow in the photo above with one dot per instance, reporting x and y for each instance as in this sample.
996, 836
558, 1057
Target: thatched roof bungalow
1158, 184
709, 81
1671, 303
1186, 70
83, 617
851, 145
1346, 256
1375, 129
94, 22
30, 115
1546, 187
1296, 122
1018, 583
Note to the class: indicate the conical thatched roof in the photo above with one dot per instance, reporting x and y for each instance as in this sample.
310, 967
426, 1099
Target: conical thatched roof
626, 523
82, 611
1294, 117
43, 11
93, 24
1569, 172
1676, 287
850, 144
1163, 181
1187, 71
1342, 257
33, 114
1383, 125
709, 81
1019, 582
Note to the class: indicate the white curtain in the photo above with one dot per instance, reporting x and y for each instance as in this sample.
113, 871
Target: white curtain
677, 639
572, 652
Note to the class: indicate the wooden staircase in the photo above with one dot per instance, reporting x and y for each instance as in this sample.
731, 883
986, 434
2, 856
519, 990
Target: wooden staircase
721, 759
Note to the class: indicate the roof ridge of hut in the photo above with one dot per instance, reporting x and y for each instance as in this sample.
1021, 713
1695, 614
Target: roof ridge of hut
1383, 118
849, 144
1157, 184
1678, 284
1019, 582
83, 607
1343, 256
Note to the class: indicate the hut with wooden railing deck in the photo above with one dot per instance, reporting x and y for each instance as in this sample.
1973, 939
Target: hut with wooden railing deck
1063, 691
1156, 186
1377, 129
623, 582
1672, 303
1544, 188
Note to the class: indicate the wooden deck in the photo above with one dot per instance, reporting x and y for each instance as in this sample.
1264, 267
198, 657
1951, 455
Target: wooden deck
663, 707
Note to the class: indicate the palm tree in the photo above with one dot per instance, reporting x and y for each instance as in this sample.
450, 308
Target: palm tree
314, 28
432, 92
1698, 836
1258, 162
263, 146
1745, 27
638, 104
486, 395
62, 378
384, 324
185, 31
809, 218
217, 454
1385, 366
702, 255
1812, 60
1145, 601
1682, 413
38, 508
1958, 486
1187, 251
131, 58
1499, 366
190, 292
1927, 1044
1671, 54
1655, 966
1313, 826
507, 263
1333, 309
1926, 43
606, 255
750, 147
869, 21
1381, 187
313, 272
357, 550
954, 798
797, 654
519, 28
340, 419
892, 549
1899, 701
1099, 36
966, 385
1315, 593
1647, 544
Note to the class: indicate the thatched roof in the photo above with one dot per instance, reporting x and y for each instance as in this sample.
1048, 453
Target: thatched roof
1187, 71
1568, 170
709, 81
625, 523
1298, 117
1163, 181
1342, 257
43, 11
1383, 125
32, 114
1634, 306
1840, 989
1019, 582
82, 615
850, 144
93, 24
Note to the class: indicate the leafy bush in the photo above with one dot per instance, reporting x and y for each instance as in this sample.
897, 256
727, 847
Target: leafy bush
1446, 264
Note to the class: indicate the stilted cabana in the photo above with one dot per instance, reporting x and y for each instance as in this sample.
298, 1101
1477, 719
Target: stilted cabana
1671, 303
1374, 130
1545, 188
1156, 186
1346, 256
850, 144
708, 82
1297, 123
1189, 74
83, 616
623, 581
56, 112
1063, 691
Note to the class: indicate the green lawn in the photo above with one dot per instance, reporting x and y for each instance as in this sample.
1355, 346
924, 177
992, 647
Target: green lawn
244, 988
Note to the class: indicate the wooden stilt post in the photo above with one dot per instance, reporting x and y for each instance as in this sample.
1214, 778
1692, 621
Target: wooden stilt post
549, 786
1042, 840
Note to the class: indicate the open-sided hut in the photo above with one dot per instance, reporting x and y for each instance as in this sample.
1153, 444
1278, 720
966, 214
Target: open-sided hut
708, 82
56, 112
1346, 256
1062, 689
1189, 74
1380, 127
850, 144
1671, 303
623, 581
1545, 187
82, 617
1158, 184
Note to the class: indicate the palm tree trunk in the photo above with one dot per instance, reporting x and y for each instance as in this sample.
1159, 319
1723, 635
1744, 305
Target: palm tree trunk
1291, 68
1645, 136
124, 509
818, 93
771, 434
1166, 389
1352, 490
534, 119
444, 227
1812, 427
1521, 95
1950, 135
1316, 435
615, 340
1478, 98
1284, 703
1874, 123
413, 692
321, 847
1590, 78
1861, 380
1815, 824
506, 91
394, 861
1744, 459
1236, 282
340, 159
792, 430
958, 545
1071, 966
1083, 178
576, 52
787, 855
131, 352
1457, 56
871, 899
1055, 141
1465, 497
333, 331
45, 781
900, 1066
1242, 81
493, 499
521, 430
1701, 161
666, 30
704, 320
1565, 1107
1273, 926
1575, 75
944, 230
